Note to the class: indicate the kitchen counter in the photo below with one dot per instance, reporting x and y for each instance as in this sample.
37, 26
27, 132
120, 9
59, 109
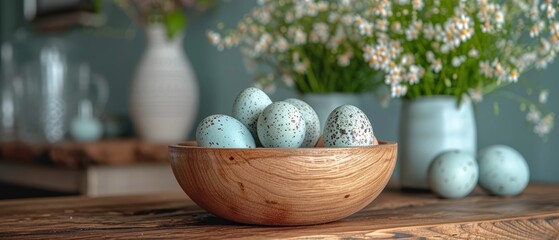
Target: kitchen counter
394, 214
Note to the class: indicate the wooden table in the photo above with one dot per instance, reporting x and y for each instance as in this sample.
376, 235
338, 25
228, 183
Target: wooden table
532, 215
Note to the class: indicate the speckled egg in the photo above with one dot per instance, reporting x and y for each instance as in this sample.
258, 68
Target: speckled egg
281, 125
348, 126
312, 124
247, 107
222, 131
453, 174
503, 171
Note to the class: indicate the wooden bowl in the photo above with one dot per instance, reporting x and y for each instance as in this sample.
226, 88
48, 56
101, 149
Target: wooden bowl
274, 186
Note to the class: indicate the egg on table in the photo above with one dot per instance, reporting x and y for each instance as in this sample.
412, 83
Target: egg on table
453, 174
503, 170
281, 125
348, 126
312, 124
248, 105
222, 131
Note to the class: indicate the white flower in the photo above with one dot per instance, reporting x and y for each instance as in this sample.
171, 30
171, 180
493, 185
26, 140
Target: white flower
413, 74
417, 4
476, 94
214, 37
335, 41
533, 115
486, 69
396, 70
289, 17
499, 18
430, 56
429, 31
300, 37
413, 30
310, 8
322, 6
398, 90
554, 28
392, 79
498, 68
344, 59
486, 27
544, 126
347, 20
383, 9
263, 43
463, 22
300, 67
365, 27
551, 12
513, 76
542, 98
396, 27
437, 65
320, 32
534, 13
473, 53
382, 25
536, 29
408, 59
263, 16
281, 44
457, 61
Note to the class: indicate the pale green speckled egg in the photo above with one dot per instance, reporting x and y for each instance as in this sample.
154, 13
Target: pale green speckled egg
453, 174
222, 131
348, 126
503, 171
312, 124
248, 106
281, 125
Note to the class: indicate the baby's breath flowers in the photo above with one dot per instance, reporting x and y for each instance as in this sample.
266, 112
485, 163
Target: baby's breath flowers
309, 45
461, 48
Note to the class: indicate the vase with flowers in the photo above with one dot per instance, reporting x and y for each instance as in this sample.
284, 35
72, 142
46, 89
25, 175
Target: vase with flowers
164, 93
440, 56
309, 46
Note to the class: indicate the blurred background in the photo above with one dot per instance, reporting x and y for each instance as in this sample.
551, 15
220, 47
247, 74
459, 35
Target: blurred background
104, 42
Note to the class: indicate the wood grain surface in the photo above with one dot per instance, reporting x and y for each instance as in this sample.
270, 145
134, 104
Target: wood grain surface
532, 215
273, 186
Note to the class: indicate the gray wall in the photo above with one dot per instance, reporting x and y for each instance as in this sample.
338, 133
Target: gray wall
222, 75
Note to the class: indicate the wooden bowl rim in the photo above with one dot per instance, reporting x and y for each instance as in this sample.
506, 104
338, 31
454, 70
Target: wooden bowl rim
193, 145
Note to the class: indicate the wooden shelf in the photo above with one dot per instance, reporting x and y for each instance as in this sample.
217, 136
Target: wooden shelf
109, 167
79, 155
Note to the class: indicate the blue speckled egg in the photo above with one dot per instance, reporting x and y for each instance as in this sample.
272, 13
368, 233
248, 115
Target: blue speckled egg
348, 126
281, 125
453, 174
312, 124
503, 171
222, 131
247, 107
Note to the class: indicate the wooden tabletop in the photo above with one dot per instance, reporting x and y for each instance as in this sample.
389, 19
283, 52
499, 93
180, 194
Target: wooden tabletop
532, 215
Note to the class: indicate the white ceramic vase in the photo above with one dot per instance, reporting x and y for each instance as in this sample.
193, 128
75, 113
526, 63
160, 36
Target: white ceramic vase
164, 93
324, 103
428, 127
